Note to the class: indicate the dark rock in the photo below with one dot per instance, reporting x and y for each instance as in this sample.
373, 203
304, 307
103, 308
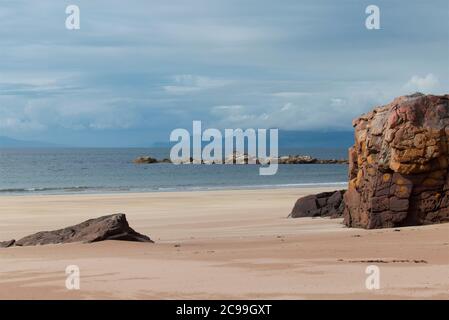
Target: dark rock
243, 158
7, 244
298, 159
111, 227
325, 204
398, 169
141, 160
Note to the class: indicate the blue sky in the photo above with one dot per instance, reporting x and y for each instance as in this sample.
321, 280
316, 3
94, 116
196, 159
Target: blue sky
138, 69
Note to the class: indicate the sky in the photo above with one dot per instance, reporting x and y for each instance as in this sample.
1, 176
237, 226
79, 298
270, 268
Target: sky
136, 70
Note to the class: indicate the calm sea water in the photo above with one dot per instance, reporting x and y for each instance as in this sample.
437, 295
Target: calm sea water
86, 170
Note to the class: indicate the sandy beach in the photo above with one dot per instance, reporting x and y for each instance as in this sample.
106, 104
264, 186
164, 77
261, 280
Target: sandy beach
217, 244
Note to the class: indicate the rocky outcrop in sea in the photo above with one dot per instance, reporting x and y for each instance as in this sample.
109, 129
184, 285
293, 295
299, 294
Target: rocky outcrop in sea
243, 158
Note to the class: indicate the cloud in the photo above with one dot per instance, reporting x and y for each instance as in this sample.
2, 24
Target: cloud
228, 108
308, 112
155, 66
187, 83
288, 106
338, 102
20, 125
426, 84
289, 95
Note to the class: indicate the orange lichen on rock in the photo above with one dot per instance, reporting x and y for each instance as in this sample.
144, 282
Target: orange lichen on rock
398, 166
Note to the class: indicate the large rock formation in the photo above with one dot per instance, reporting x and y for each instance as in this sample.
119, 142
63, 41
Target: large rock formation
111, 227
325, 204
398, 166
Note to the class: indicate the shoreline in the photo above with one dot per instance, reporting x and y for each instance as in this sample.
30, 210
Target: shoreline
38, 192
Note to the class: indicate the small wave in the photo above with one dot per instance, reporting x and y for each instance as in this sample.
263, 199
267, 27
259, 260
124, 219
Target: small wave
47, 189
268, 186
188, 187
15, 190
243, 187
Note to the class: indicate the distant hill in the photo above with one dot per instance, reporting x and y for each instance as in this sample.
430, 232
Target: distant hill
303, 139
6, 142
287, 139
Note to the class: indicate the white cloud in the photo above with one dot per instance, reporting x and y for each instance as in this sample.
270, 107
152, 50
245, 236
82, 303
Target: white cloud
338, 102
291, 94
287, 106
187, 83
231, 107
22, 125
40, 114
425, 84
180, 89
330, 110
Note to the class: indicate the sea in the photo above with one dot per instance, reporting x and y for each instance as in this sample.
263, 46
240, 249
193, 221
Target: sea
111, 170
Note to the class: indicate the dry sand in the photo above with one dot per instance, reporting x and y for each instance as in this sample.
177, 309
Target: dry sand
217, 244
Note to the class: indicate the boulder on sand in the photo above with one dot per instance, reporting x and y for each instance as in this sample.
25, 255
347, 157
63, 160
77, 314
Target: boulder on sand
325, 204
110, 227
398, 166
